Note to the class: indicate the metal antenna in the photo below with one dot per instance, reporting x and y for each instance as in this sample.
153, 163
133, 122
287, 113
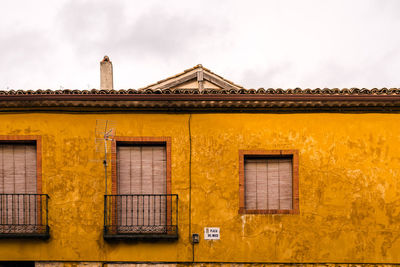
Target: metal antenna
105, 132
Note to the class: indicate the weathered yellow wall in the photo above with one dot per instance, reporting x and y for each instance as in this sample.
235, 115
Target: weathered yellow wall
348, 179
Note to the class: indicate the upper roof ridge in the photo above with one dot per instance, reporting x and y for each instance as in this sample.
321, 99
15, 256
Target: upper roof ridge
187, 73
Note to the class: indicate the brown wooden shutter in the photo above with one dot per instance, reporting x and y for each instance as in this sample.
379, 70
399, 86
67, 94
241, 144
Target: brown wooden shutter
18, 168
18, 176
273, 183
262, 184
124, 170
142, 170
250, 169
285, 184
268, 183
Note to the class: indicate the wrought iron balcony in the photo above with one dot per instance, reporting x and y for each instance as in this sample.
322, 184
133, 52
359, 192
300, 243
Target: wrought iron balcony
24, 215
143, 216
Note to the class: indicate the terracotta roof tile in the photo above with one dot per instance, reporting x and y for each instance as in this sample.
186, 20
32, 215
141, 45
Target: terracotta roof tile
261, 91
230, 97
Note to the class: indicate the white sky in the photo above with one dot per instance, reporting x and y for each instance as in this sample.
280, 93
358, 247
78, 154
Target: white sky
270, 44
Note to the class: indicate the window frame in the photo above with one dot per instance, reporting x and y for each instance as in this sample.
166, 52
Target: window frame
139, 141
37, 139
165, 141
294, 154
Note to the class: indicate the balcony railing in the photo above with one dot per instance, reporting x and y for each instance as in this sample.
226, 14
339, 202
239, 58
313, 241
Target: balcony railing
24, 215
142, 216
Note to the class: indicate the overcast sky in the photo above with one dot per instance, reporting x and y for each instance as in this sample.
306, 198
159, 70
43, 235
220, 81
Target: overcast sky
271, 44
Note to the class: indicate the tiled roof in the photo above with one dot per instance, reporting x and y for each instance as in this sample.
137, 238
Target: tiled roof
261, 91
173, 95
194, 100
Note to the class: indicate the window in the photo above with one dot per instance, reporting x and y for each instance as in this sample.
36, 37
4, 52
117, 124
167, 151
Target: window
141, 172
18, 168
268, 182
22, 206
141, 203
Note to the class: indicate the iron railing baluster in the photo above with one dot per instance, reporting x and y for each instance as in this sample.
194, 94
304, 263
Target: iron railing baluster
12, 210
131, 209
6, 209
47, 210
1, 209
126, 210
132, 221
16, 211
142, 211
154, 210
148, 210
29, 209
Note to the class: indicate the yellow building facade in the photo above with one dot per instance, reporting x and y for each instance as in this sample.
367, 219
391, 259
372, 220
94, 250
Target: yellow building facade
347, 173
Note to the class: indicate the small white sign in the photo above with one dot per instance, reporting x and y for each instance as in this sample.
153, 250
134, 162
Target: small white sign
211, 233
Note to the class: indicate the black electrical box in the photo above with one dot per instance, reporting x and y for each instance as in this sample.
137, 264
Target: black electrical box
195, 238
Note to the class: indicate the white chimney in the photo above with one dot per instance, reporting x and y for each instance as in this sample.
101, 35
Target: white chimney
106, 74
